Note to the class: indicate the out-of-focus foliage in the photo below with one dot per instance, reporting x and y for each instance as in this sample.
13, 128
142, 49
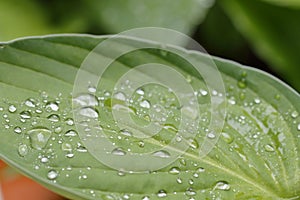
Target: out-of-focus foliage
274, 32
291, 3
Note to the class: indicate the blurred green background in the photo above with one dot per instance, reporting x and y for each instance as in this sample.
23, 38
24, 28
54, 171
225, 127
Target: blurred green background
260, 33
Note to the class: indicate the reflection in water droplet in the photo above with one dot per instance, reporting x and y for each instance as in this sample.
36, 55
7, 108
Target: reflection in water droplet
174, 171
162, 193
118, 152
269, 148
222, 185
53, 118
23, 150
145, 104
161, 154
18, 130
12, 108
89, 112
52, 174
52, 106
39, 137
25, 115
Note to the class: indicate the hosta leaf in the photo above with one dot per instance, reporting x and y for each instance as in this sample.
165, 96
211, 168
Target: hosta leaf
256, 157
273, 31
291, 3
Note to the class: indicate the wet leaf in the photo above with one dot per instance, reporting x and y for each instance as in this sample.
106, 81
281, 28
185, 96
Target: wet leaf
256, 156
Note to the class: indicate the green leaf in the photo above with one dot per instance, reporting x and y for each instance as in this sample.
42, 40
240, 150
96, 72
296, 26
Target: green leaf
117, 16
290, 3
273, 31
256, 156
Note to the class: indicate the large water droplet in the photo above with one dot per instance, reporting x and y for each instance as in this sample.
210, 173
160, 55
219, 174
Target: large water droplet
161, 154
145, 104
86, 100
39, 137
52, 174
12, 108
118, 152
222, 185
174, 171
23, 150
52, 106
162, 193
89, 112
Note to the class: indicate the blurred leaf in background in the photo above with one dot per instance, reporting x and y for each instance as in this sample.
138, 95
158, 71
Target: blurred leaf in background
273, 31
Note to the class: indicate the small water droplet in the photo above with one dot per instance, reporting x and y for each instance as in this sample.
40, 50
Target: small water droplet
92, 89
269, 148
58, 129
190, 192
39, 137
30, 103
53, 118
145, 104
71, 133
52, 174
118, 152
25, 115
242, 84
295, 114
222, 185
227, 138
44, 160
162, 194
298, 127
257, 100
174, 171
52, 106
69, 121
146, 198
211, 135
188, 79
203, 92
12, 108
140, 91
23, 150
161, 154
125, 132
66, 147
171, 128
179, 180
193, 143
200, 169
89, 112
70, 155
17, 130
141, 144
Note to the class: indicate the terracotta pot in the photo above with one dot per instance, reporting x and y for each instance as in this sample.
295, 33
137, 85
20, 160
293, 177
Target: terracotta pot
14, 186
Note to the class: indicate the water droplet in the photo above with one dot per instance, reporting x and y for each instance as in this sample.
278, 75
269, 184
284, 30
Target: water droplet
188, 79
298, 127
141, 144
23, 150
52, 106
200, 169
86, 100
211, 135
222, 185
69, 121
269, 148
17, 130
162, 193
146, 198
295, 114
203, 92
12, 108
193, 143
227, 138
171, 128
161, 154
257, 101
53, 118
145, 104
30, 103
52, 174
39, 137
179, 180
242, 84
118, 152
71, 133
44, 160
89, 112
140, 91
190, 192
174, 171
66, 147
92, 89
58, 129
81, 148
120, 96
70, 155
125, 132
25, 115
